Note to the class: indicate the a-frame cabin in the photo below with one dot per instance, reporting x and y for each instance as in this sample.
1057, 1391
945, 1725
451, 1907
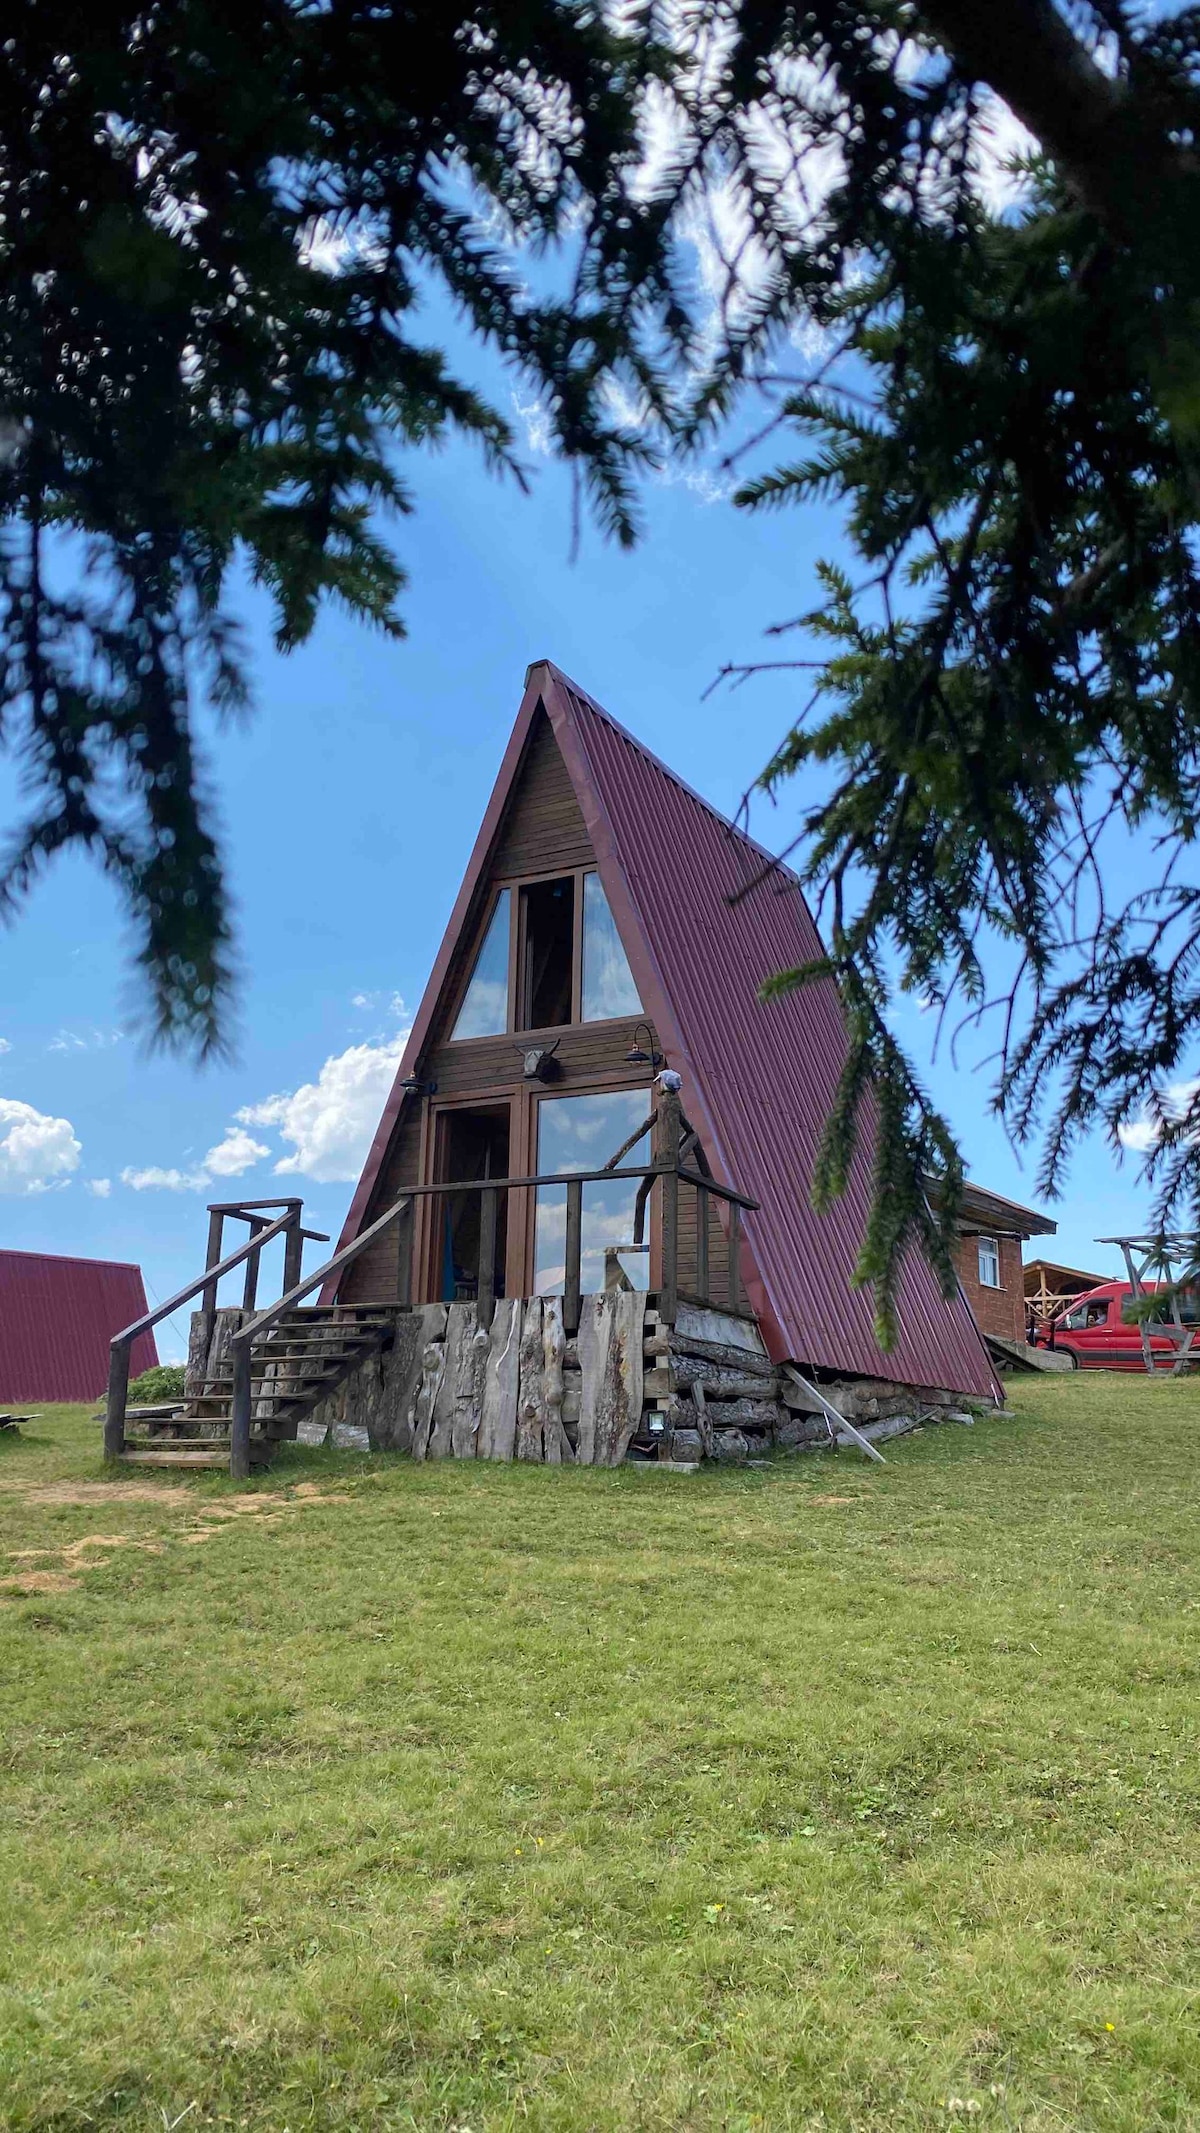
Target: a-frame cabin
613, 920
594, 1019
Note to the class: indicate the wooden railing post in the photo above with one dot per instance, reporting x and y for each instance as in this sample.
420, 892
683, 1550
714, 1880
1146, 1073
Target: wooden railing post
212, 1257
404, 1254
485, 1291
239, 1426
702, 1243
573, 1275
735, 1256
293, 1255
250, 1285
118, 1393
667, 1159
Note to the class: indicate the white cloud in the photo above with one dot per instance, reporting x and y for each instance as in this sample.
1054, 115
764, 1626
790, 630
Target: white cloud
36, 1151
5, 1046
1144, 1133
87, 1040
154, 1179
99, 1188
237, 1152
330, 1121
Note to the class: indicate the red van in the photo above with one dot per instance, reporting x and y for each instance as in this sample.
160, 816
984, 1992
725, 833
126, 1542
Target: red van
1098, 1332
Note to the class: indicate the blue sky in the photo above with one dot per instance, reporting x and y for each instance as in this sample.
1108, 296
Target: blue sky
348, 806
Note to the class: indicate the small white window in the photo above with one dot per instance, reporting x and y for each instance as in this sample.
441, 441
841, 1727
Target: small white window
989, 1263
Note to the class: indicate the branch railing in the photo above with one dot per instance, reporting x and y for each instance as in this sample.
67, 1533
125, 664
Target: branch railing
263, 1231
666, 1168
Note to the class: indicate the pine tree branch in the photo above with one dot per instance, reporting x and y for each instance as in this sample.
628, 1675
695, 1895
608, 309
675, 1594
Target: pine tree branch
1095, 129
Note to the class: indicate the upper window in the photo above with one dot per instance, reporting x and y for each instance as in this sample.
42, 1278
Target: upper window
570, 965
989, 1263
484, 1012
607, 988
548, 958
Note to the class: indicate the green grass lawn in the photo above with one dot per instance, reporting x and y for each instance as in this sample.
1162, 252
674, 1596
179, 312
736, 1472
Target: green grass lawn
811, 1796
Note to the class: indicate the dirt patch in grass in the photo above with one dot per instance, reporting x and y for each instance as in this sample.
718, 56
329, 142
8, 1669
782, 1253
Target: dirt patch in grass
31, 1581
89, 1492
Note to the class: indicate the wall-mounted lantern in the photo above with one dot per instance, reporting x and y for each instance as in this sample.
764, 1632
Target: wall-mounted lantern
412, 1085
647, 1054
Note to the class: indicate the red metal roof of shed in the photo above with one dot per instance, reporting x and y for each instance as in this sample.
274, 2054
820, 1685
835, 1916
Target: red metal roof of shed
57, 1317
759, 1078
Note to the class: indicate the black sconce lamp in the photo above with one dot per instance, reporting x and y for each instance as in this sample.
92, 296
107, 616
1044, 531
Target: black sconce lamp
412, 1085
647, 1054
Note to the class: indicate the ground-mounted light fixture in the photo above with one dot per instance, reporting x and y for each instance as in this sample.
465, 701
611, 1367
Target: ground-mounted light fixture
647, 1054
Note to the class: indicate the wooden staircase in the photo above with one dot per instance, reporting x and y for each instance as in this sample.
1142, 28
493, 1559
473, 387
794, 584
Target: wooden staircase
294, 1364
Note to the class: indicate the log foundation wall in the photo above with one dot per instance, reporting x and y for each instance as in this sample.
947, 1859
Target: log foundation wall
622, 1387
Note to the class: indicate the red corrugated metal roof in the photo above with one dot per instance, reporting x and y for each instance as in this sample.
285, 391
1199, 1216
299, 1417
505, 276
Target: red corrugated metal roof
759, 1079
57, 1317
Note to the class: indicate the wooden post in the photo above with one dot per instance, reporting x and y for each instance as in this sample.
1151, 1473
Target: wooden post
250, 1285
668, 1158
293, 1254
702, 1243
574, 1242
118, 1390
485, 1292
404, 1252
239, 1426
216, 1229
735, 1256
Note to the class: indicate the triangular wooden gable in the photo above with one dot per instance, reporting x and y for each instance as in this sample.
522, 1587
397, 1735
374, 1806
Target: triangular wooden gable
704, 915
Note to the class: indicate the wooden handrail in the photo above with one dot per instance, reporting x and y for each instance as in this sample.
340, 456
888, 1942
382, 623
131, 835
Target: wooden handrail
242, 1341
668, 1163
121, 1343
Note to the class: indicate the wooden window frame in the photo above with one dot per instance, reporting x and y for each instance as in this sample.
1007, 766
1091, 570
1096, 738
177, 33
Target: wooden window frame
514, 883
523, 1102
613, 1084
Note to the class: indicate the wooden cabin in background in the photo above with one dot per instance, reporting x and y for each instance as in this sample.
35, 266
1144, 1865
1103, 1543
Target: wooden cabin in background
584, 1227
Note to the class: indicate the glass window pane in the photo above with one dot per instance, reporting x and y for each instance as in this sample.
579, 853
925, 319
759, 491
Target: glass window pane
608, 987
549, 932
484, 1012
581, 1133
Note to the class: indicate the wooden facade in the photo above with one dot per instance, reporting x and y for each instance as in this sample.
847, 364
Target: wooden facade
584, 821
541, 838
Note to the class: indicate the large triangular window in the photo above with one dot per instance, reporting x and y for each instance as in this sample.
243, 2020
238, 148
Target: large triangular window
607, 989
484, 1012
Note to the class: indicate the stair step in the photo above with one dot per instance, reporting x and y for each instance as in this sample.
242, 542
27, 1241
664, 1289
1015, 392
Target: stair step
384, 1312
219, 1460
198, 1451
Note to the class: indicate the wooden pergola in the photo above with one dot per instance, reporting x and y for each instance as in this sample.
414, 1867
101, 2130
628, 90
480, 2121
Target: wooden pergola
1151, 1264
